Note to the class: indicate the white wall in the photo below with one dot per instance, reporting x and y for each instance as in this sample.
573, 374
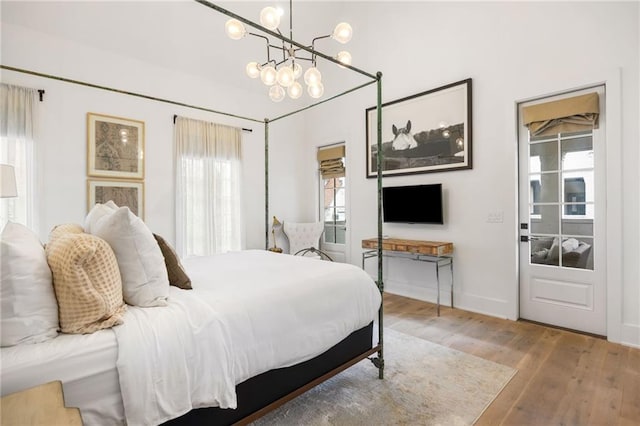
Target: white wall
62, 129
418, 46
422, 45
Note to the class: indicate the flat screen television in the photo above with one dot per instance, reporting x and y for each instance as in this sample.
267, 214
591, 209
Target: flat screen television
412, 204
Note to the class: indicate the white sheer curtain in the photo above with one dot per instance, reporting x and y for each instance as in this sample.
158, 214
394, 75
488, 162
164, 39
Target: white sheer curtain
208, 187
17, 123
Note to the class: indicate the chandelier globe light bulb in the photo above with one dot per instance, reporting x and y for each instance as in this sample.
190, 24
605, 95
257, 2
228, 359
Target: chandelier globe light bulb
315, 90
234, 29
342, 33
312, 76
297, 71
270, 18
285, 76
253, 70
268, 75
276, 93
344, 57
295, 90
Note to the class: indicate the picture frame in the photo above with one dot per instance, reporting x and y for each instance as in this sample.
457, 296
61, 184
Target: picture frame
115, 147
122, 192
423, 133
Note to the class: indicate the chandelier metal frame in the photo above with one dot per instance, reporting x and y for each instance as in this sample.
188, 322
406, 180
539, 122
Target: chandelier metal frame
270, 70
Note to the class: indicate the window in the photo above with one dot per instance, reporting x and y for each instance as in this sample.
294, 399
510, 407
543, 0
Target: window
333, 197
208, 191
17, 149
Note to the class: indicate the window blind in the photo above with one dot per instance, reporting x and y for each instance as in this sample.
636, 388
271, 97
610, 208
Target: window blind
568, 115
331, 161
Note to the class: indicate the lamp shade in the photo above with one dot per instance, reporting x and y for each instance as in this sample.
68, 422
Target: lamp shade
344, 57
342, 33
295, 90
268, 75
270, 18
284, 76
253, 69
312, 76
315, 90
7, 181
234, 29
276, 93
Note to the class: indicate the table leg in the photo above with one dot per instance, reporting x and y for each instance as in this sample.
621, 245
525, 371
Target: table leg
438, 284
451, 265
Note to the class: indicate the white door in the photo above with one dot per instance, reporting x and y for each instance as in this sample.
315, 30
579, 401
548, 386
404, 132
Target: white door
562, 225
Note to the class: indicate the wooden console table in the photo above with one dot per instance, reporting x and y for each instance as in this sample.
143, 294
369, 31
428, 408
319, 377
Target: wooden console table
437, 252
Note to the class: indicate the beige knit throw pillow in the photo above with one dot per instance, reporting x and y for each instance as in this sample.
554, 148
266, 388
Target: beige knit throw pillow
86, 280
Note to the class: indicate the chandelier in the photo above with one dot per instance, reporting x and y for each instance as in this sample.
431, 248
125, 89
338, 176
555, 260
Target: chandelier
282, 68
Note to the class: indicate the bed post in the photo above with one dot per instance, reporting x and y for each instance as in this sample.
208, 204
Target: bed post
380, 364
266, 183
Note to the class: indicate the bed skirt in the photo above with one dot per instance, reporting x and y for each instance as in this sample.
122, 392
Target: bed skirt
260, 391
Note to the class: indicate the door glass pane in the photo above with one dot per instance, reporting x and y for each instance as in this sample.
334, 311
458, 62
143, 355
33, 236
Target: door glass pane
577, 253
340, 182
577, 153
547, 221
549, 188
329, 234
341, 216
579, 187
341, 233
329, 215
540, 250
577, 227
543, 157
340, 197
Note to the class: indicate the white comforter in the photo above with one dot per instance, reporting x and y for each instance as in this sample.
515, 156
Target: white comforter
249, 312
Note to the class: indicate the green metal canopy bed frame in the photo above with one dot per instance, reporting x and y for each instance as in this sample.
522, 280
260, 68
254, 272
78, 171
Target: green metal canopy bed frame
261, 394
297, 379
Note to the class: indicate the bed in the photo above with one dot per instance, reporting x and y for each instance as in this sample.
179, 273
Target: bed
109, 375
237, 324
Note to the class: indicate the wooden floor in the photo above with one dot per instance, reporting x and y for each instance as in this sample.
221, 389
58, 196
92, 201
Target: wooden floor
563, 378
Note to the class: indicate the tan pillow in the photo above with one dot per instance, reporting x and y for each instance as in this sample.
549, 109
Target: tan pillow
65, 228
86, 280
177, 275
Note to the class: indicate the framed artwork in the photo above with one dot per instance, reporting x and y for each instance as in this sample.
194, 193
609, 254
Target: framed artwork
121, 192
423, 133
115, 147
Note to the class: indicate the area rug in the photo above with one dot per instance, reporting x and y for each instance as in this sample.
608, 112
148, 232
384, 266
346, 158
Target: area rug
424, 384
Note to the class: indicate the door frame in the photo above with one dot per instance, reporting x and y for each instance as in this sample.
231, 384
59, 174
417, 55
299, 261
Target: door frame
611, 80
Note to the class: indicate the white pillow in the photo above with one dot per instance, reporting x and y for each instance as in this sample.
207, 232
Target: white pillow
96, 212
29, 309
144, 275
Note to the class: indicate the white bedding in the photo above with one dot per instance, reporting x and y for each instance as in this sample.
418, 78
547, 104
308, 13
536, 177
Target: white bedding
86, 364
281, 309
248, 312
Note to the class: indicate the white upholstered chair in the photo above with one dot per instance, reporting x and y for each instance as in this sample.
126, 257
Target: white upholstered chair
304, 239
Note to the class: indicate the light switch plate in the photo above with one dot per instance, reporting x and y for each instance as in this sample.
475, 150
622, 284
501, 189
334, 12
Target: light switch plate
495, 216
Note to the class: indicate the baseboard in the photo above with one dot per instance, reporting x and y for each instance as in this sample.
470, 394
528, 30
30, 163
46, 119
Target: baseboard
472, 303
630, 335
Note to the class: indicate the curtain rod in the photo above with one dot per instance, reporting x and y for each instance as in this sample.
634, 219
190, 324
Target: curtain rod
244, 129
124, 92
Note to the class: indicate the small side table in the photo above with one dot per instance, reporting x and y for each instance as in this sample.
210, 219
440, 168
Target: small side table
38, 406
438, 252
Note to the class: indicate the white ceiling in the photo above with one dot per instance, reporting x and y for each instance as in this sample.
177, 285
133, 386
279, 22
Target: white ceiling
181, 35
